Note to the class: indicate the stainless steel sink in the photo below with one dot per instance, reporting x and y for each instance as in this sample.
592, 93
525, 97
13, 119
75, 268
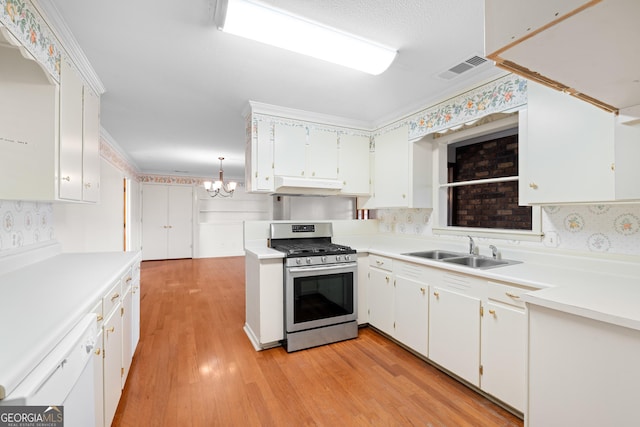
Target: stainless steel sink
471, 261
436, 254
479, 262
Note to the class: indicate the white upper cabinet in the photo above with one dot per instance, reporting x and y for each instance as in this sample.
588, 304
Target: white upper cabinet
70, 133
403, 171
305, 151
572, 151
289, 150
43, 129
584, 47
293, 155
353, 164
259, 156
28, 126
90, 146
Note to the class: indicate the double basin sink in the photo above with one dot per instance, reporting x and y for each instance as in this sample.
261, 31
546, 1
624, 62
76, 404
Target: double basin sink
472, 261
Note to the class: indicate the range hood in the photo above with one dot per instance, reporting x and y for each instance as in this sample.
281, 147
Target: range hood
306, 186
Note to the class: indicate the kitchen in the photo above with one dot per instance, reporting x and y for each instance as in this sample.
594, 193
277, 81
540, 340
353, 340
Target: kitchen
593, 224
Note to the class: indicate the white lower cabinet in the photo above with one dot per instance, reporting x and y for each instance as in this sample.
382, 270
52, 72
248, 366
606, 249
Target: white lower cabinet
112, 351
118, 337
411, 306
381, 294
398, 301
504, 345
474, 328
454, 326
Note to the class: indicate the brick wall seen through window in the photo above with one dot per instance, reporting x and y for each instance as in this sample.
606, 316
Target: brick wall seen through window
487, 205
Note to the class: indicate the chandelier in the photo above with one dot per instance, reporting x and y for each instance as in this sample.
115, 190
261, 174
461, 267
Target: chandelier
219, 187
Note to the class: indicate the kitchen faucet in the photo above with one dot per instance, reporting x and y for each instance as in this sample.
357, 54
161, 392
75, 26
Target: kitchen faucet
472, 246
494, 251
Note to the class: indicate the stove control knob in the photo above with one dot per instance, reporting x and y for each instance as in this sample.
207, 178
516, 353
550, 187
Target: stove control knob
298, 260
324, 259
308, 260
347, 258
338, 257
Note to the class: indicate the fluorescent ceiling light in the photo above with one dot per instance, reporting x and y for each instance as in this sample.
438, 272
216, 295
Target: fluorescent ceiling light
278, 28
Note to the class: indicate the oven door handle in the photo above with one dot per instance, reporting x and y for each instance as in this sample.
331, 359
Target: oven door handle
322, 268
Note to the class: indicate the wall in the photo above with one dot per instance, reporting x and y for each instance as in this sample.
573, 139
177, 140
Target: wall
25, 223
94, 227
613, 228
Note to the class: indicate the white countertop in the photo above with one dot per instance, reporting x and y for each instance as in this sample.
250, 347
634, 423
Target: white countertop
600, 288
42, 301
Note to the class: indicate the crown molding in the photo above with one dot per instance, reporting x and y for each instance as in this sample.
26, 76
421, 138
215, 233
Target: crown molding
60, 29
306, 116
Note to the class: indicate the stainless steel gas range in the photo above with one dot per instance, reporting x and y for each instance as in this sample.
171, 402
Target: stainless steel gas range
320, 285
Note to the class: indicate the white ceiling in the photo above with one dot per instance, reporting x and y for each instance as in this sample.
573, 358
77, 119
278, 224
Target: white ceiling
176, 86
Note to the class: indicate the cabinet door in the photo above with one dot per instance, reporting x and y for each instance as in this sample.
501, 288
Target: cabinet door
569, 149
135, 309
392, 168
504, 333
381, 304
125, 317
98, 369
90, 146
264, 156
412, 313
112, 330
454, 333
353, 164
322, 154
70, 154
289, 148
180, 220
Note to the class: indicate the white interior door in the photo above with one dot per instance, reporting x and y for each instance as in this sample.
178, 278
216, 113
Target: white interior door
180, 221
154, 222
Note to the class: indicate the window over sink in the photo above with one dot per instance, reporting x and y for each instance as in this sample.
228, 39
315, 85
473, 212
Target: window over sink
477, 168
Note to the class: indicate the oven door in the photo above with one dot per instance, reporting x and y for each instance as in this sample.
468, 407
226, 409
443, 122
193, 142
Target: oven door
320, 295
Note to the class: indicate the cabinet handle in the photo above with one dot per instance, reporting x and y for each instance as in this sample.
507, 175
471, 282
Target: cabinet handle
66, 178
135, 289
613, 166
97, 352
492, 312
387, 278
111, 329
99, 318
87, 185
436, 294
533, 185
266, 178
302, 174
378, 262
115, 296
510, 295
404, 196
422, 290
128, 279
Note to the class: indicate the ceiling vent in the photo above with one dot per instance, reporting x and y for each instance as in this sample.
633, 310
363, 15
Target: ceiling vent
458, 69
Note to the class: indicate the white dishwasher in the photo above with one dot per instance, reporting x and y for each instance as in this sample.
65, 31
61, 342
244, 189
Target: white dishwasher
64, 377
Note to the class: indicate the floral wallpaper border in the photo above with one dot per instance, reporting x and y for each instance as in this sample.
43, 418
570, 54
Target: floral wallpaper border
111, 155
26, 25
502, 94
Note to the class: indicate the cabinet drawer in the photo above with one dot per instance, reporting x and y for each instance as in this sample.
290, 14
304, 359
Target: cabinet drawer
111, 298
506, 294
380, 262
97, 310
127, 281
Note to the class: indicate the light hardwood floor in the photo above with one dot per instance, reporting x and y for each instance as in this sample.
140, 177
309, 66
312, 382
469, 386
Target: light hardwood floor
194, 366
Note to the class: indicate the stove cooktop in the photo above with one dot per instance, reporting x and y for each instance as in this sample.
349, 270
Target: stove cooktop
312, 249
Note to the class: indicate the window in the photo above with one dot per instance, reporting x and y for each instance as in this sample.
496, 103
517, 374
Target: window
479, 182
